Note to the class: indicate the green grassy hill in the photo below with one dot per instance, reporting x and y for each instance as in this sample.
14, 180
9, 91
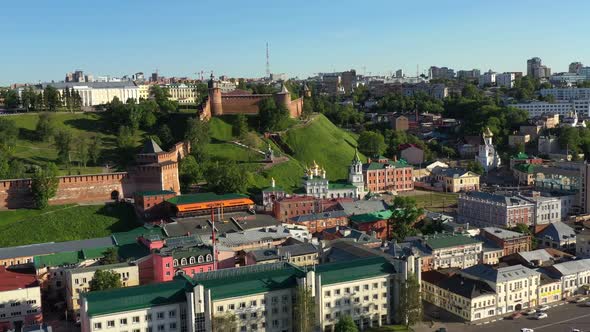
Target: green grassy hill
64, 223
32, 151
320, 140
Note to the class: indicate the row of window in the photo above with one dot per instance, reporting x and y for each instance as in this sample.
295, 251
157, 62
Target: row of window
242, 305
346, 290
346, 301
16, 304
193, 260
159, 328
19, 313
137, 319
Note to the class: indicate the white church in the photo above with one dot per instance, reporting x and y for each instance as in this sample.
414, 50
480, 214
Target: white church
488, 156
316, 184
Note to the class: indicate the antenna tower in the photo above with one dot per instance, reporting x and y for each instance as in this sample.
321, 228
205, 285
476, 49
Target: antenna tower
267, 62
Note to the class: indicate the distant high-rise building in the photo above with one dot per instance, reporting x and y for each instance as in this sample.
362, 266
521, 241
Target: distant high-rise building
154, 77
487, 79
79, 76
536, 69
442, 72
69, 77
505, 80
89, 78
399, 73
575, 67
468, 74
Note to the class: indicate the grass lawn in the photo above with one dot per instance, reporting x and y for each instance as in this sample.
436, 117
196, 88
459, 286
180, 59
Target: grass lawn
331, 147
12, 216
65, 223
32, 151
435, 201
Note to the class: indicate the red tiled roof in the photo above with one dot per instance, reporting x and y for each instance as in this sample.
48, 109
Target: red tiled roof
13, 280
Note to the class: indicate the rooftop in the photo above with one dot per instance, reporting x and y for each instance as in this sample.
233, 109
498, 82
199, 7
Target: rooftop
361, 207
500, 199
458, 284
13, 280
99, 267
572, 267
502, 233
447, 240
371, 217
151, 147
525, 168
291, 250
452, 172
137, 297
333, 273
233, 222
499, 275
557, 231
319, 216
54, 247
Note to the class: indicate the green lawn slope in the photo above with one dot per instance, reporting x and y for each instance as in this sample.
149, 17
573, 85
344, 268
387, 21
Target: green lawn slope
64, 223
321, 141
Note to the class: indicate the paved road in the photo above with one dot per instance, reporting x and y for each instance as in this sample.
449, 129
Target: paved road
562, 318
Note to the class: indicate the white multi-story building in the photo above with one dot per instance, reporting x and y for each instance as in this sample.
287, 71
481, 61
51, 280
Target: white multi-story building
538, 108
515, 286
260, 297
547, 209
567, 94
505, 80
20, 300
573, 275
97, 93
487, 78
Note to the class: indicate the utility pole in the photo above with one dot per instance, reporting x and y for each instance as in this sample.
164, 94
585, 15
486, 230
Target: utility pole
267, 62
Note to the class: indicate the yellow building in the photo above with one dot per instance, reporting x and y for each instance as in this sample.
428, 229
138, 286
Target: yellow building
549, 290
78, 280
144, 91
184, 94
455, 180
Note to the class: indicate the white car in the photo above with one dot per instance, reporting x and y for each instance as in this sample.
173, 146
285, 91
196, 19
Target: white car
543, 308
581, 300
530, 312
541, 315
526, 330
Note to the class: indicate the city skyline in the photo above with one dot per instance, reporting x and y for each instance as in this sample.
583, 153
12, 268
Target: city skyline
305, 38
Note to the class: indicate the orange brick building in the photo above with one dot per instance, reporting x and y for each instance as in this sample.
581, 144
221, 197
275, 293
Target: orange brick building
287, 208
381, 174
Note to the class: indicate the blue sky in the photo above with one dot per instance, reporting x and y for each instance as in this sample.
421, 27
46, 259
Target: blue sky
42, 40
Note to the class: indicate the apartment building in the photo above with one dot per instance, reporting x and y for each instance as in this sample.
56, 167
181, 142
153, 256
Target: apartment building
454, 180
20, 300
510, 242
317, 222
566, 94
261, 297
381, 175
485, 209
78, 281
557, 235
547, 208
448, 250
516, 287
539, 108
573, 275
467, 298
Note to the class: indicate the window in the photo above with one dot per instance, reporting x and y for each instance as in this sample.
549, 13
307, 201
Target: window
148, 329
327, 293
253, 303
254, 327
123, 321
97, 326
183, 261
160, 315
242, 305
111, 323
232, 306
161, 327
148, 317
173, 326
172, 313
135, 319
192, 260
253, 315
220, 308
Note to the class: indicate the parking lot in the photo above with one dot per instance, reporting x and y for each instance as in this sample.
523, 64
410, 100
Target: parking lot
562, 318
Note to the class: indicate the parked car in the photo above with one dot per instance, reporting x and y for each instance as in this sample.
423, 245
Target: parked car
530, 312
526, 330
516, 315
543, 308
541, 315
580, 300
442, 329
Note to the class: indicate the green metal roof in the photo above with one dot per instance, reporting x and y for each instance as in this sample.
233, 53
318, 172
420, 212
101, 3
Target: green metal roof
334, 273
445, 240
132, 235
396, 164
68, 257
138, 297
525, 168
154, 193
204, 197
252, 282
371, 217
339, 185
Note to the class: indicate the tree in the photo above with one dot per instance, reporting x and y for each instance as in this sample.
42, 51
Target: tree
45, 126
346, 324
410, 302
224, 322
64, 141
94, 149
189, 172
29, 98
227, 177
82, 150
475, 167
8, 135
240, 126
111, 256
253, 141
404, 215
44, 185
104, 279
197, 133
165, 136
304, 310
125, 145
371, 143
11, 99
51, 98
272, 117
